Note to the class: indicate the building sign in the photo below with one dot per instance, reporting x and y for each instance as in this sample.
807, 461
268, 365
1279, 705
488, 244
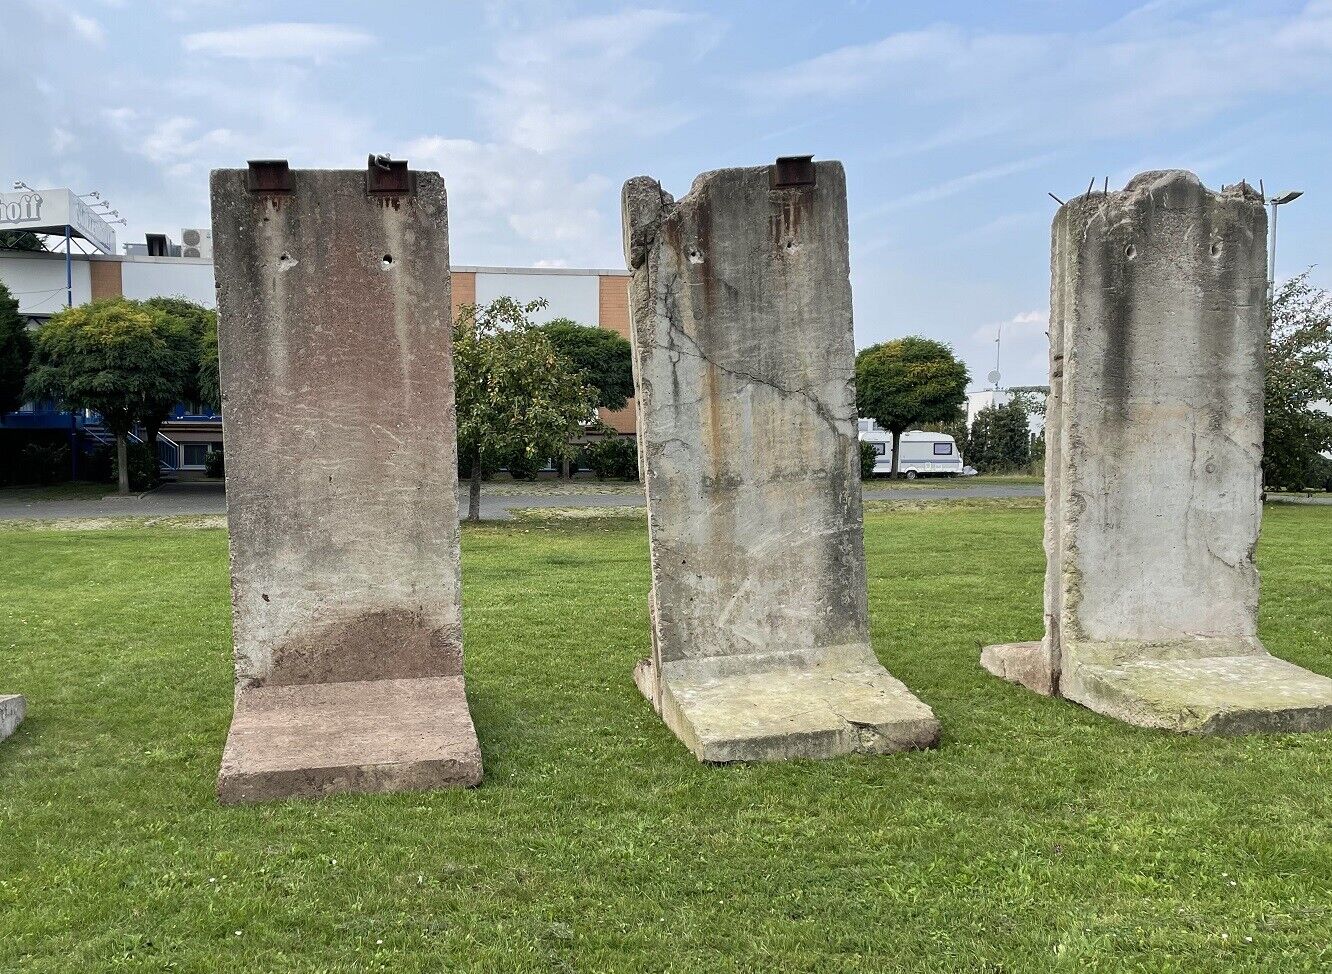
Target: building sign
50, 211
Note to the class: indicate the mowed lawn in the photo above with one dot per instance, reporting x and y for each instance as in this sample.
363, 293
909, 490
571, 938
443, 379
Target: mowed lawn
1037, 837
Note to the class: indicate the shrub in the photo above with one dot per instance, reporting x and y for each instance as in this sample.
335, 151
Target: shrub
214, 464
144, 471
43, 463
867, 458
580, 459
522, 467
614, 457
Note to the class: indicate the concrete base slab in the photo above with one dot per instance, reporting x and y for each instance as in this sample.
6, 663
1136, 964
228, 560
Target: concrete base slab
1025, 663
13, 708
322, 739
1249, 694
775, 715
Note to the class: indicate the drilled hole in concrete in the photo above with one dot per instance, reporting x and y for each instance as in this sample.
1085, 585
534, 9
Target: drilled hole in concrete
1216, 248
388, 260
284, 258
1130, 251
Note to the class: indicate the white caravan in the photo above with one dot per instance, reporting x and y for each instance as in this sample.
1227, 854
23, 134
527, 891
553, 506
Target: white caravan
923, 454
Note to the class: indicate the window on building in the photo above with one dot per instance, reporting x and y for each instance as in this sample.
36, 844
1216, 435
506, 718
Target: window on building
943, 449
195, 454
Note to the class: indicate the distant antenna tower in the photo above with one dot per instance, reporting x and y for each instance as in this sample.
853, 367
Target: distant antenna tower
993, 377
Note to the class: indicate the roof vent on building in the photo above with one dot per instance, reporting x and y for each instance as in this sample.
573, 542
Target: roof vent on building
158, 245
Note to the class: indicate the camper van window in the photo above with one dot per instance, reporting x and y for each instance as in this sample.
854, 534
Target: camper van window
943, 449
880, 449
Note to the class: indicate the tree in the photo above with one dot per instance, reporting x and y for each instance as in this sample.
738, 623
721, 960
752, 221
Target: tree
188, 326
908, 381
603, 358
1299, 376
115, 357
15, 352
514, 394
210, 373
1000, 439
20, 240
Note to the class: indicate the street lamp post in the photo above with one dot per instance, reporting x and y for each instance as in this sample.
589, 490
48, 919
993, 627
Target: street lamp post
1289, 196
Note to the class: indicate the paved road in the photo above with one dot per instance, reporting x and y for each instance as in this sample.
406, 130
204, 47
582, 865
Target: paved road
172, 499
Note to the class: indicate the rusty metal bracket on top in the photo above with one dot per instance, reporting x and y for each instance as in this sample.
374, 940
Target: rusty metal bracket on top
383, 177
791, 172
268, 176
388, 177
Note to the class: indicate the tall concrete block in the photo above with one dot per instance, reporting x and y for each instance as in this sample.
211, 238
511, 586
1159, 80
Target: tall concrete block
337, 382
744, 370
1154, 431
13, 708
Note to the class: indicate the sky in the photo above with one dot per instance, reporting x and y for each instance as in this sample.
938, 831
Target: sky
954, 121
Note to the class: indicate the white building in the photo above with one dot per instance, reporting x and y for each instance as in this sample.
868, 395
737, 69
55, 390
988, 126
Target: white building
985, 398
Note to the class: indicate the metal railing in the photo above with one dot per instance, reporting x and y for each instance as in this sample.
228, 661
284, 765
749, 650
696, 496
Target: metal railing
168, 450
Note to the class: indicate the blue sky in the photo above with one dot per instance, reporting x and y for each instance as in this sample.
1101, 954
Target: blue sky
953, 119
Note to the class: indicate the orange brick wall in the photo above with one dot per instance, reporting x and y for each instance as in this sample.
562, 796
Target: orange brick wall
105, 279
464, 290
613, 313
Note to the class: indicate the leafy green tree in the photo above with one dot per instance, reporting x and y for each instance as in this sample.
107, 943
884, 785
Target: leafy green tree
115, 357
513, 393
1299, 376
202, 323
603, 357
189, 326
20, 240
210, 374
1038, 454
1000, 440
909, 381
15, 352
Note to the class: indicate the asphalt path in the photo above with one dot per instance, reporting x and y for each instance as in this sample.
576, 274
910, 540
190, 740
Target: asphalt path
209, 498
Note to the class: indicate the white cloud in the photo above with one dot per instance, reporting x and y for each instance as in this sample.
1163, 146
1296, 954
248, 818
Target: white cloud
286, 41
1164, 66
87, 28
497, 190
557, 86
1024, 346
58, 16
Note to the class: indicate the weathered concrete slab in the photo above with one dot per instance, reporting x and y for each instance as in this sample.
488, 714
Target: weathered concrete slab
376, 735
1154, 430
1250, 694
337, 383
744, 367
13, 708
1027, 664
816, 707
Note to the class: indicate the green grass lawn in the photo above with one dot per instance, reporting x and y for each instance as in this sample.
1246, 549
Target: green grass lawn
1037, 837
